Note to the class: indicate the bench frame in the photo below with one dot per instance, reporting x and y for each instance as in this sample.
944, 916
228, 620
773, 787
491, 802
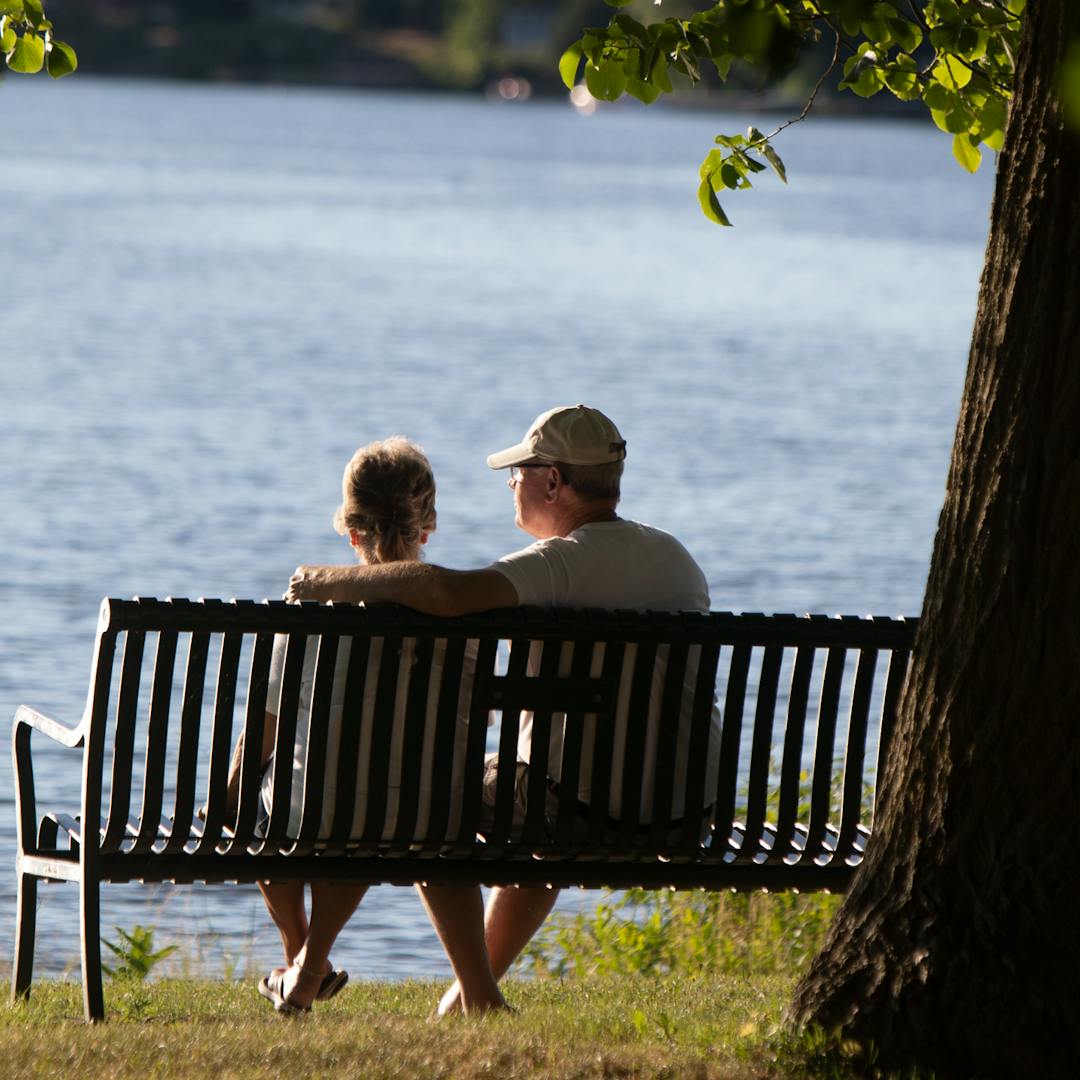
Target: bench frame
804, 848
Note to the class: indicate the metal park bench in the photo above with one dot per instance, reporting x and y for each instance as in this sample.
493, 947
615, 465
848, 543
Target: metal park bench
782, 800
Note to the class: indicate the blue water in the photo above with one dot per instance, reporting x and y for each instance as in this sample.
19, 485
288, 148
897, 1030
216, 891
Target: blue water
212, 295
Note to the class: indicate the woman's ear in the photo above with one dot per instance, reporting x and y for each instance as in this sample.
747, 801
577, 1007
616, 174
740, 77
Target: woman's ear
424, 537
354, 538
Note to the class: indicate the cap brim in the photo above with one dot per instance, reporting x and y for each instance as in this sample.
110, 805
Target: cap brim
512, 455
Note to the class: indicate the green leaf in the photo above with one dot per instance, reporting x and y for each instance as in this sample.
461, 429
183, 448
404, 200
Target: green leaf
33, 12
618, 3
605, 81
865, 78
643, 91
937, 96
773, 158
28, 55
952, 73
730, 175
61, 60
969, 156
8, 38
633, 30
11, 7
710, 205
903, 84
569, 63
660, 77
906, 34
992, 119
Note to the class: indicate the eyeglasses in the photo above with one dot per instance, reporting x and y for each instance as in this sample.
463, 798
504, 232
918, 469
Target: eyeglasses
517, 473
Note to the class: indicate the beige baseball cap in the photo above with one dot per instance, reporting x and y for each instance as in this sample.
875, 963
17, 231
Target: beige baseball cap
572, 434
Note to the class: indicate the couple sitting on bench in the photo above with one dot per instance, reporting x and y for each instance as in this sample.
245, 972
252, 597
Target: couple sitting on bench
565, 477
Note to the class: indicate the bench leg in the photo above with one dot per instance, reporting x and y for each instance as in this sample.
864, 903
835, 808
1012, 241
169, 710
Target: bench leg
90, 903
25, 931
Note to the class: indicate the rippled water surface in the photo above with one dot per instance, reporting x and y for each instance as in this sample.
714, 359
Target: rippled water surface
212, 295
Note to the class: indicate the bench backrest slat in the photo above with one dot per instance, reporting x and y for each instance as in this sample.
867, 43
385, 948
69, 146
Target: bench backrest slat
347, 778
251, 766
413, 736
575, 741
187, 758
123, 746
794, 734
157, 737
386, 698
317, 744
821, 783
761, 749
287, 708
535, 830
668, 734
221, 738
851, 811
697, 752
633, 743
472, 781
445, 766
899, 661
612, 667
727, 777
509, 727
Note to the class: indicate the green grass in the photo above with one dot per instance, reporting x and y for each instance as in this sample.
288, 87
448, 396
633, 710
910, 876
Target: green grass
677, 1027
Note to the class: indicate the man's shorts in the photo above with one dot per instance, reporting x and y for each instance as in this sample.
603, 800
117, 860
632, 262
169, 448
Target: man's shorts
551, 808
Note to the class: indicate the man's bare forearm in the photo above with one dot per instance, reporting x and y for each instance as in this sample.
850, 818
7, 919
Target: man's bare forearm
433, 590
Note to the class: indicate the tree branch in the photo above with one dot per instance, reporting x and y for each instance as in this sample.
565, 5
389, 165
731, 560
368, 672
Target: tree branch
813, 93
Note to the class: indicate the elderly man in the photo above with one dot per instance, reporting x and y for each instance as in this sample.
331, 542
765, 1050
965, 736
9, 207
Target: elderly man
565, 476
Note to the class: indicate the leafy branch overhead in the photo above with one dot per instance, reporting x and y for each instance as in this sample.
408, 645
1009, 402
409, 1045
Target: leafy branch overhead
956, 56
26, 40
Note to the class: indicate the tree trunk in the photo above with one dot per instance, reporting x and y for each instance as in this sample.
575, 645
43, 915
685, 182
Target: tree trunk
958, 947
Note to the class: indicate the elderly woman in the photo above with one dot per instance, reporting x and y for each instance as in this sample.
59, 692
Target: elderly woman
387, 513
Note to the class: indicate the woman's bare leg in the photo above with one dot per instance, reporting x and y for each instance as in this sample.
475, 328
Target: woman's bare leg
332, 905
285, 902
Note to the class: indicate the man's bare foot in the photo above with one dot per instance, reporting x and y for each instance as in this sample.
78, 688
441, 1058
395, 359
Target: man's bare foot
451, 1004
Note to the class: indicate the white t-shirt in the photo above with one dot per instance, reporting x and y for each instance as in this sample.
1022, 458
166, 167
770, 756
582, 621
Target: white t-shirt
617, 564
366, 721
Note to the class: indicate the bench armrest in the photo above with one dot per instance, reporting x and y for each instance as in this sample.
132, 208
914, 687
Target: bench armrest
61, 733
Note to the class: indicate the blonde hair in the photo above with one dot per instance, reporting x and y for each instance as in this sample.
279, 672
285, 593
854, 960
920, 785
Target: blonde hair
388, 500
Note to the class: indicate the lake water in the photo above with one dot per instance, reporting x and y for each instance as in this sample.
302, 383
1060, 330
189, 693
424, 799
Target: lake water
212, 295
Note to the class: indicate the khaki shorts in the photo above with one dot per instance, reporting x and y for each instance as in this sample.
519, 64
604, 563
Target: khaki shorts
551, 808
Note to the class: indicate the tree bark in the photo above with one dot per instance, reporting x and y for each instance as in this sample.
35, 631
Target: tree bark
958, 947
